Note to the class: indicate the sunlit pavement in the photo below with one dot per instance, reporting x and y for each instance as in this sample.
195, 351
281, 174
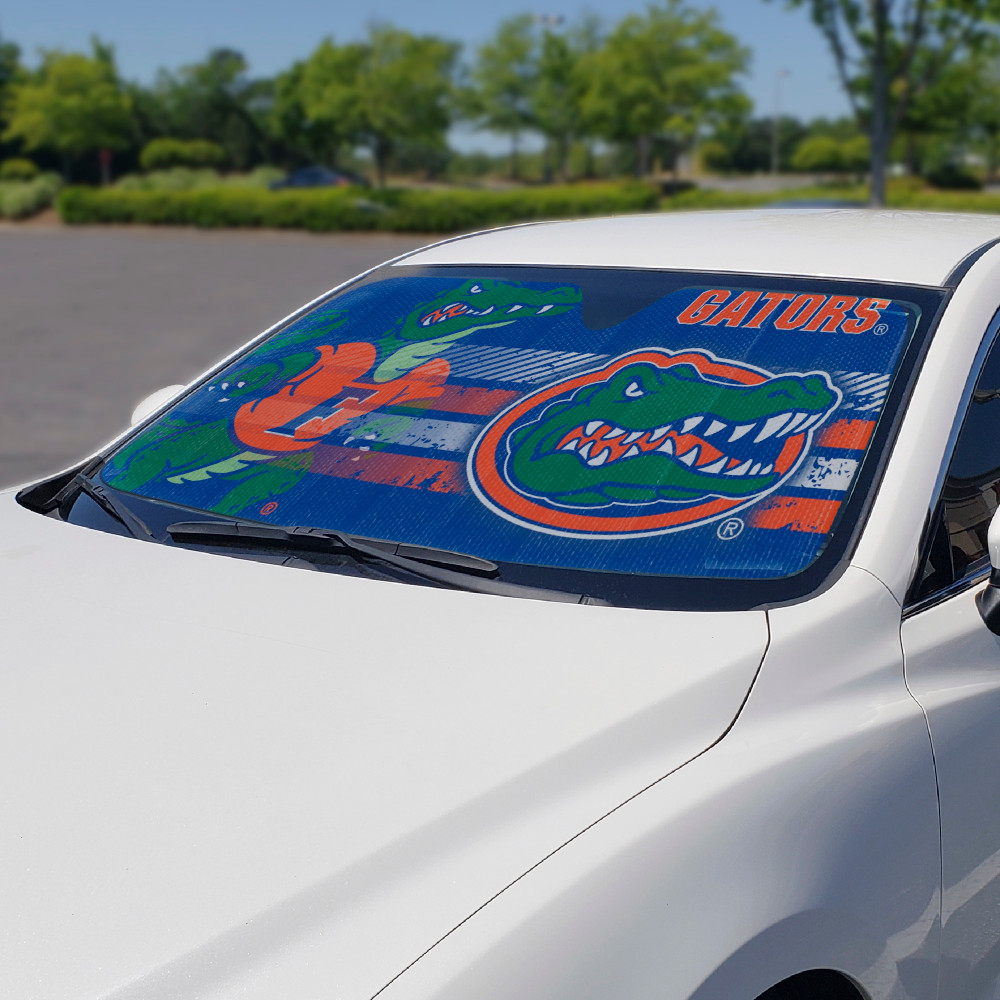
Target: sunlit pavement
93, 319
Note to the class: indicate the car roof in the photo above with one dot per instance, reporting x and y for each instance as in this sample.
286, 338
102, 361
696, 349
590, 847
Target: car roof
912, 247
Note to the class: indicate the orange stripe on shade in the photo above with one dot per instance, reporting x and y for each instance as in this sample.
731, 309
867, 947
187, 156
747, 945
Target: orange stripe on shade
389, 469
853, 434
468, 399
796, 513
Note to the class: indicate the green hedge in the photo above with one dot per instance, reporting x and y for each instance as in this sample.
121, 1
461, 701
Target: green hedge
190, 179
162, 154
20, 199
946, 201
18, 168
326, 210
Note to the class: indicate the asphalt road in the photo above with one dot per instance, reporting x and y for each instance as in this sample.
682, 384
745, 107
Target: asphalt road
91, 320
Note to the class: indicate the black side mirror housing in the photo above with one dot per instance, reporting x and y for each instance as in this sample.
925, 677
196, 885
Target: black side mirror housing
988, 600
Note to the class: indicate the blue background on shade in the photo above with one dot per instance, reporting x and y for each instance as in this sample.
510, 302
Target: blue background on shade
460, 521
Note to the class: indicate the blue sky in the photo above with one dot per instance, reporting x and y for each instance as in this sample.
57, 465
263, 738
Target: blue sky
272, 34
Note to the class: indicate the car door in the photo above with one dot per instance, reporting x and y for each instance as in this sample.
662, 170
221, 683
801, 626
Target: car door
952, 665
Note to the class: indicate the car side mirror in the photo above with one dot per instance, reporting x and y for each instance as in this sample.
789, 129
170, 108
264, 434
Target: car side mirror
152, 402
988, 600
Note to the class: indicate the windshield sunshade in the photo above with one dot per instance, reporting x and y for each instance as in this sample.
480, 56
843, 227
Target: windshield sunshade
606, 421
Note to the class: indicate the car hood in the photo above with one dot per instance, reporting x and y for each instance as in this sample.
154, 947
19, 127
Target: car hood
223, 778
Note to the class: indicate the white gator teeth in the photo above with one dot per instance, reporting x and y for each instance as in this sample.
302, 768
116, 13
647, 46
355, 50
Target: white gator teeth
634, 436
755, 469
690, 424
544, 309
667, 448
689, 457
592, 426
569, 446
739, 431
814, 419
741, 470
584, 452
600, 459
767, 468
773, 425
796, 421
632, 452
713, 428
659, 432
616, 433
715, 466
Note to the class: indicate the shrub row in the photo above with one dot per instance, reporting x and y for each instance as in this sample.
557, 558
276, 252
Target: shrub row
17, 168
161, 154
19, 199
325, 210
946, 201
190, 178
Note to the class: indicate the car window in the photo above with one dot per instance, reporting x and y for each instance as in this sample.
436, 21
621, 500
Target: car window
631, 423
957, 550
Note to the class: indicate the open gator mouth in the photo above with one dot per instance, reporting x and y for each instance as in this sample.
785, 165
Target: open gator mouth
703, 442
648, 432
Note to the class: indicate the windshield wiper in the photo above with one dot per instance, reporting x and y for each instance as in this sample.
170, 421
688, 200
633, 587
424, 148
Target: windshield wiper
451, 569
105, 499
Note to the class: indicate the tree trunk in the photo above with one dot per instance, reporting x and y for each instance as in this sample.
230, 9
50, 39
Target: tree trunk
912, 155
642, 150
515, 170
104, 162
880, 99
381, 153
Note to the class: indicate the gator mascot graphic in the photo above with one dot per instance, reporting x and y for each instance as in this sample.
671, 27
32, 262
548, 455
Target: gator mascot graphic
652, 442
289, 394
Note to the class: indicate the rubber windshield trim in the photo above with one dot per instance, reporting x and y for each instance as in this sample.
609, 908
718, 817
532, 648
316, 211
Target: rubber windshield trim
962, 268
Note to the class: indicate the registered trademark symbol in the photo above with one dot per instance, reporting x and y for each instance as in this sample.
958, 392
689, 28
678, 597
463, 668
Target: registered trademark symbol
881, 328
269, 508
731, 528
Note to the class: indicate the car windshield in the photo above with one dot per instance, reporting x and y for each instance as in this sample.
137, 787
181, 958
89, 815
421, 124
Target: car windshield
615, 427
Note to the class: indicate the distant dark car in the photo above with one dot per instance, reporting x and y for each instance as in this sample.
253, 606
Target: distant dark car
317, 176
814, 203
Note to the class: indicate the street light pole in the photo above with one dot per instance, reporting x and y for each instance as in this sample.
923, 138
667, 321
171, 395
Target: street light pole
775, 119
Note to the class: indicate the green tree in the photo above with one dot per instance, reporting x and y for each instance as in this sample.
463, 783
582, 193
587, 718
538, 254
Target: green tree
502, 81
215, 99
748, 142
662, 75
556, 102
959, 113
818, 153
10, 71
318, 100
887, 55
983, 111
164, 153
856, 154
73, 104
301, 138
394, 87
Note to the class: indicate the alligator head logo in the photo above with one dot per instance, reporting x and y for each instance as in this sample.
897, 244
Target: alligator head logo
652, 442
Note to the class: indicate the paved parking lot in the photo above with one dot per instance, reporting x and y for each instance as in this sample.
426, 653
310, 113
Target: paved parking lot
92, 319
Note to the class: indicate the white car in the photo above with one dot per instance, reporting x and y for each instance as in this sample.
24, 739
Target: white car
577, 611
